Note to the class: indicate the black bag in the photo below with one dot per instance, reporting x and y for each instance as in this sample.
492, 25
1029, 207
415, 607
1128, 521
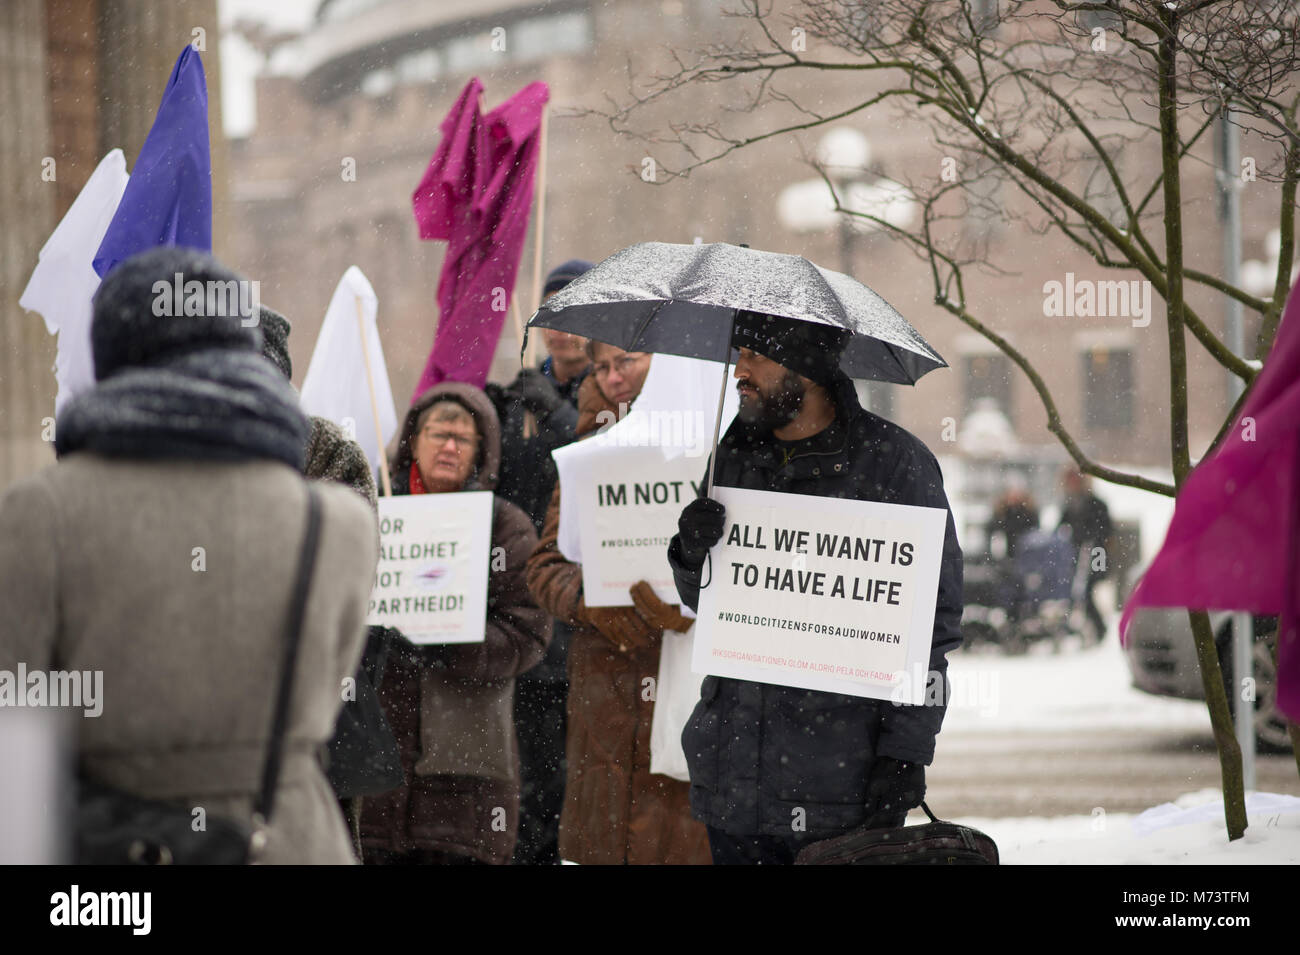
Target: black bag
935, 843
363, 756
119, 828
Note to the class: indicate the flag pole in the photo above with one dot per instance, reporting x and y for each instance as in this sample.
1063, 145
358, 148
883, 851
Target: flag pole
722, 396
530, 420
540, 231
518, 319
387, 481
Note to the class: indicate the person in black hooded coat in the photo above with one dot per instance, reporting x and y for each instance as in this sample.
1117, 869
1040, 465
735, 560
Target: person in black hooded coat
543, 400
757, 752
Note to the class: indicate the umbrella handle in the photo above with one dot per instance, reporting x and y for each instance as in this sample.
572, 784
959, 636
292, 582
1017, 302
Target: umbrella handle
722, 394
717, 427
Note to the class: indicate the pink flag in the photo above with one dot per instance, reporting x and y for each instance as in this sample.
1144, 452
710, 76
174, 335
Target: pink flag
1234, 542
476, 194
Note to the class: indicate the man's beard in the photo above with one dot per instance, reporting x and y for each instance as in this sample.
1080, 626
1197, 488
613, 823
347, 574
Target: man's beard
775, 410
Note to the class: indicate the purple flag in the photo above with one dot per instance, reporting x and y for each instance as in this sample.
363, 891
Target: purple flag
476, 194
168, 200
1234, 542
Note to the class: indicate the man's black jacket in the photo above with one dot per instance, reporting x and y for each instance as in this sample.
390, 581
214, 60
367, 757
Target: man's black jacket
758, 752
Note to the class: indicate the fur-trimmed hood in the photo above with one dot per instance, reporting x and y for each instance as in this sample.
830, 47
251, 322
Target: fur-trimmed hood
487, 469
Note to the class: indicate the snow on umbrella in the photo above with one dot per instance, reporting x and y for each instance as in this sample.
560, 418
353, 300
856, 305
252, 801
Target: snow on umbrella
682, 300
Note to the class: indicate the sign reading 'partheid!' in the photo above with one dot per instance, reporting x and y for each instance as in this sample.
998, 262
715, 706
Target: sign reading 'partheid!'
434, 552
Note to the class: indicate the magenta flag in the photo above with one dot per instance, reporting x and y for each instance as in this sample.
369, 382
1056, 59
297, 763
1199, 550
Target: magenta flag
1234, 542
476, 194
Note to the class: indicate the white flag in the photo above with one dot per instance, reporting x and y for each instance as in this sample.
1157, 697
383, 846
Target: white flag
64, 281
336, 386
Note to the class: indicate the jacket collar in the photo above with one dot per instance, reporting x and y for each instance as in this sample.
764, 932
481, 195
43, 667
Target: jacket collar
824, 454
568, 390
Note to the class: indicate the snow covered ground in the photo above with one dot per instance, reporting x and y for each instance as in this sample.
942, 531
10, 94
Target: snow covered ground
1089, 689
1075, 689
1192, 833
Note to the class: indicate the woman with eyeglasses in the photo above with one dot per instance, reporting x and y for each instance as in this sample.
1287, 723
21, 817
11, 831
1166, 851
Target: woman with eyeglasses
463, 693
616, 811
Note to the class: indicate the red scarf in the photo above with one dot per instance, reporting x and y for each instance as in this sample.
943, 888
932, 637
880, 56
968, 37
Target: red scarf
417, 485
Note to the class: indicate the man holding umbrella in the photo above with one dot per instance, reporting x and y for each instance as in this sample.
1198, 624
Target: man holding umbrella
774, 767
758, 752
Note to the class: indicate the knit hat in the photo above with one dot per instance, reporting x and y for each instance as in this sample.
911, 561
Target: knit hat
275, 339
140, 310
562, 275
805, 348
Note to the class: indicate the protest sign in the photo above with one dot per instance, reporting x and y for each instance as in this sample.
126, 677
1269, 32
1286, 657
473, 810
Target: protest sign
623, 489
821, 593
434, 552
627, 511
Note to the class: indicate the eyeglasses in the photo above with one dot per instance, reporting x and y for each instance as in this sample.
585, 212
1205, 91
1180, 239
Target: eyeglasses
439, 438
623, 365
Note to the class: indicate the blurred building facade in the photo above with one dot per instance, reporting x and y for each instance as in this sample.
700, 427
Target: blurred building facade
324, 181
375, 77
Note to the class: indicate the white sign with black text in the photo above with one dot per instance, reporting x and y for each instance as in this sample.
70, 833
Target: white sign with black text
628, 508
821, 593
434, 552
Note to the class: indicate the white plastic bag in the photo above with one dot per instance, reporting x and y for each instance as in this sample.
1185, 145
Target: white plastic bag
676, 693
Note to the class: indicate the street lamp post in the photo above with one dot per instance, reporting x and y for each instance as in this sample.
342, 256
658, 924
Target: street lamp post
1243, 630
845, 155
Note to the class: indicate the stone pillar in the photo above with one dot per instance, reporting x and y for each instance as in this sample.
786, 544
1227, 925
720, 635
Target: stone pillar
27, 202
72, 65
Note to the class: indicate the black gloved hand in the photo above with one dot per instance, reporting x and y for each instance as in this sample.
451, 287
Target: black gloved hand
893, 788
699, 528
537, 392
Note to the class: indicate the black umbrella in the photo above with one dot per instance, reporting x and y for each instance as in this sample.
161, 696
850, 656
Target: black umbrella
683, 299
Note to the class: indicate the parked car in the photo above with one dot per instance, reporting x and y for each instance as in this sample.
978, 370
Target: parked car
1161, 657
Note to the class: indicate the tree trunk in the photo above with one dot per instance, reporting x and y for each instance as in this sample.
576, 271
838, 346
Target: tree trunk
1216, 699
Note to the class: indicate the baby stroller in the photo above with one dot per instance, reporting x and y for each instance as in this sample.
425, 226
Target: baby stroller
1017, 601
1043, 599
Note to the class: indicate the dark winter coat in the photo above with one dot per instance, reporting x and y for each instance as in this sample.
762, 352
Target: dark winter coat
1013, 520
362, 752
756, 751
1088, 518
333, 456
615, 810
528, 472
528, 477
451, 706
